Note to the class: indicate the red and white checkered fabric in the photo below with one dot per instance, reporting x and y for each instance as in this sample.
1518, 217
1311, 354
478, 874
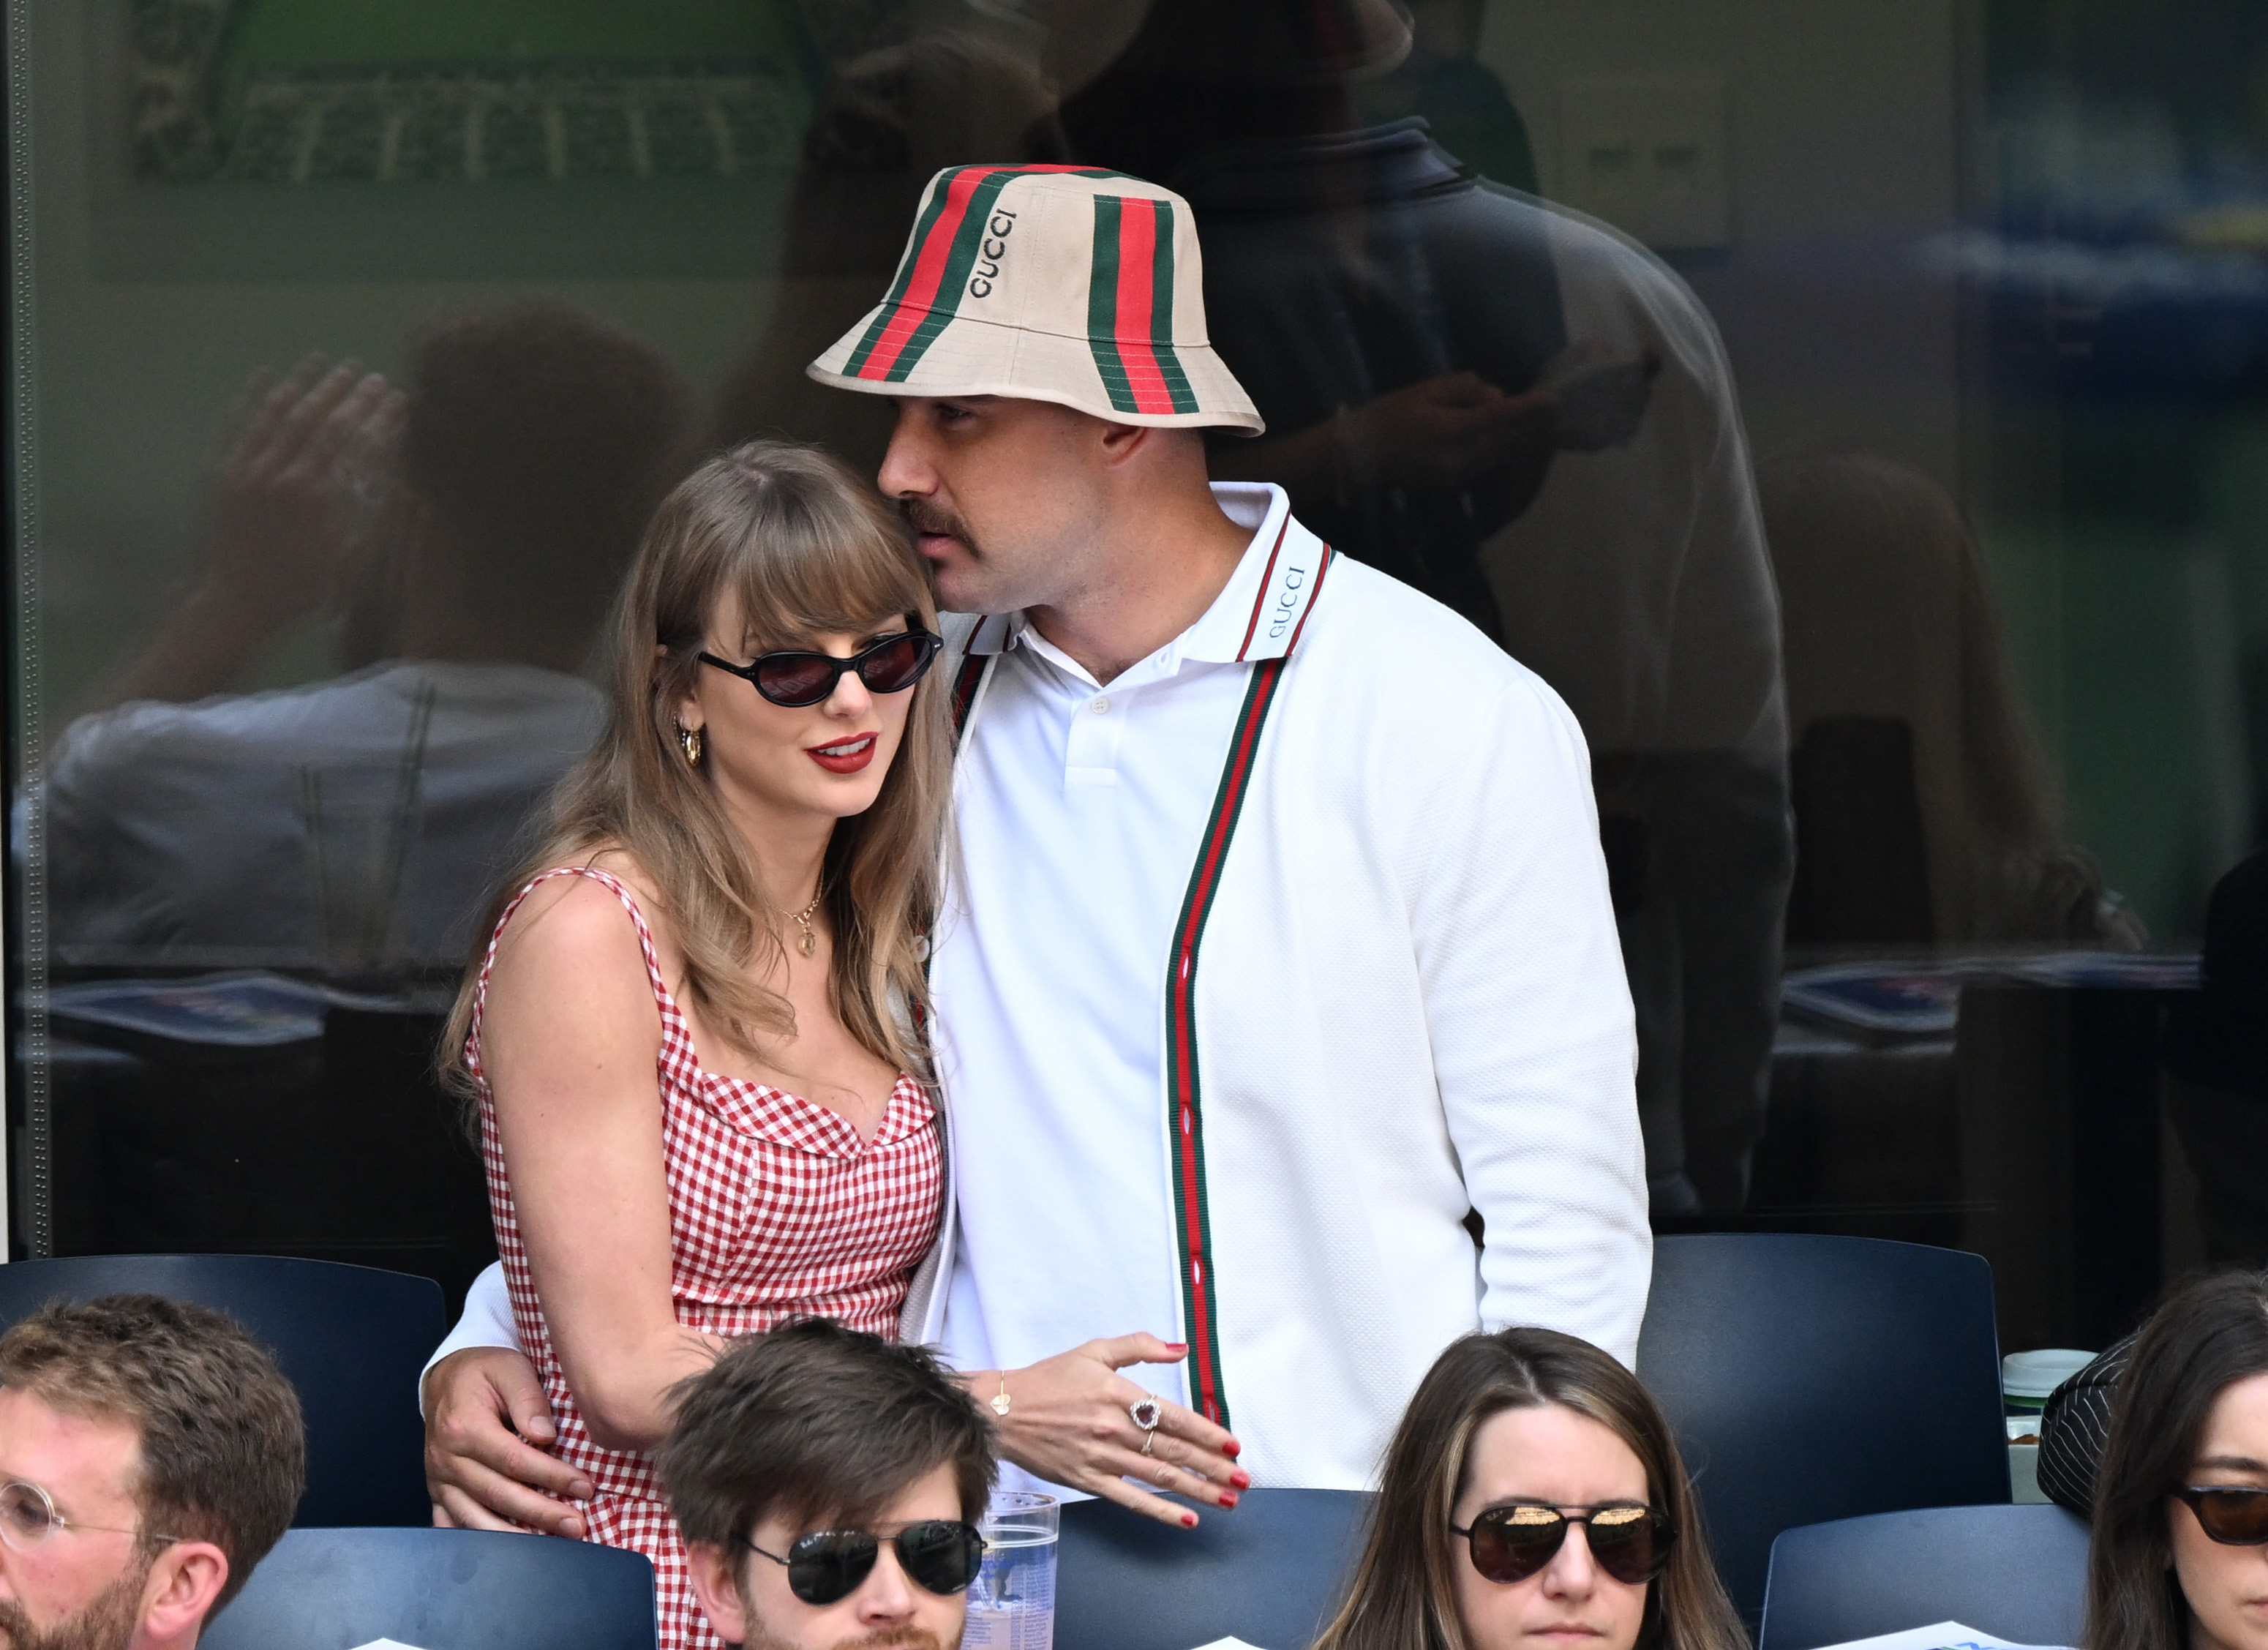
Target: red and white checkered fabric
778, 1210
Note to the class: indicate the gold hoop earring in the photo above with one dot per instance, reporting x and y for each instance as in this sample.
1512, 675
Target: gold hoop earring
688, 740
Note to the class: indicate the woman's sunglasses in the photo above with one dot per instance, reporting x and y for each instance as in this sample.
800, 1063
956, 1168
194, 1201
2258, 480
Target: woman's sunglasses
797, 679
2233, 1517
1511, 1543
940, 1554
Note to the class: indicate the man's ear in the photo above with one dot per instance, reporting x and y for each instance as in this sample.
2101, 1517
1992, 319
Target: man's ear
182, 1584
1121, 443
716, 1584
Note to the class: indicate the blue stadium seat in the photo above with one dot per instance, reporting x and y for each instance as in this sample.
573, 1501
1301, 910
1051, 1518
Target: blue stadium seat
1269, 1572
1817, 1378
2017, 1572
440, 1589
351, 1339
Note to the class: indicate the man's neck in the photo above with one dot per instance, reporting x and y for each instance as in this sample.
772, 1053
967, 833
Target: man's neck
1166, 565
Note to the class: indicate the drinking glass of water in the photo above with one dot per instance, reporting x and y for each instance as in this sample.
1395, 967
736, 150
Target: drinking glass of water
1012, 1604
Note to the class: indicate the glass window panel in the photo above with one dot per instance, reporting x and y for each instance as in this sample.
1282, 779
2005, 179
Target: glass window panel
1853, 413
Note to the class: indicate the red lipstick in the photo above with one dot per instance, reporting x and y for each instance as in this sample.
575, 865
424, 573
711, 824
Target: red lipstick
848, 755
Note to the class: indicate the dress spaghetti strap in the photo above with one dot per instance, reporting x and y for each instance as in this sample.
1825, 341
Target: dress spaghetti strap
677, 1037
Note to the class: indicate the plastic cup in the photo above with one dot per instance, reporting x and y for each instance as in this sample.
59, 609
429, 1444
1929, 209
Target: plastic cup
1012, 1603
2026, 1379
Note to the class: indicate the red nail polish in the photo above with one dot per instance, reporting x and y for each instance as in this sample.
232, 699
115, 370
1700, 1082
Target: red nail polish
1232, 1449
1242, 1480
1189, 1521
1228, 1498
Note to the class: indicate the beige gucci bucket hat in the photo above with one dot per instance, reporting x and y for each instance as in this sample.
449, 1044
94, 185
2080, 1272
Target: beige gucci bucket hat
1058, 284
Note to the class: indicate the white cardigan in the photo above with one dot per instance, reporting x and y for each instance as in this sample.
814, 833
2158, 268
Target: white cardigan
1409, 1004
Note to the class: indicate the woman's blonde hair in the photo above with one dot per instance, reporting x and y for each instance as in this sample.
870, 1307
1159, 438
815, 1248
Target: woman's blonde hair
1405, 1594
808, 550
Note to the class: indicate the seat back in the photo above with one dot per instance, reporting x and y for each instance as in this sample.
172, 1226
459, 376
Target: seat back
2017, 1572
440, 1589
1270, 1573
1817, 1378
350, 1338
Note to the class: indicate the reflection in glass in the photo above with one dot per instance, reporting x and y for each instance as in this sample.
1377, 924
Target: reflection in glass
1532, 420
468, 530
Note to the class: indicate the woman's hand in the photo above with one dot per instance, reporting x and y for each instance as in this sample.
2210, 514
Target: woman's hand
1069, 1421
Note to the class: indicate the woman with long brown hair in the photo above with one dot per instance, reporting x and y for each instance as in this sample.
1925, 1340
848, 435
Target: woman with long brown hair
2179, 1560
728, 906
1533, 1491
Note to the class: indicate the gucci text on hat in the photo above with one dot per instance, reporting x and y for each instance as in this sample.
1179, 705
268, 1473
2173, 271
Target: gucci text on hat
1059, 283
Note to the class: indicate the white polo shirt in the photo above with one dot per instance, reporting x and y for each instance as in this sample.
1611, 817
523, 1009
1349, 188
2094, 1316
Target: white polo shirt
1080, 808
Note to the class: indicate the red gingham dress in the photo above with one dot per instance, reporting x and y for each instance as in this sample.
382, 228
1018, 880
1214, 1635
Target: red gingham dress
776, 1210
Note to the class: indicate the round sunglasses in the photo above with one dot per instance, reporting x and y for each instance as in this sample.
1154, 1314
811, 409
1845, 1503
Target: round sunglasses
795, 679
941, 1555
2234, 1517
1510, 1543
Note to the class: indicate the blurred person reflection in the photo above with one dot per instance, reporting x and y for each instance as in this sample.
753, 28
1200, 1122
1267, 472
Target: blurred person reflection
1532, 420
889, 121
1889, 623
2215, 1054
468, 532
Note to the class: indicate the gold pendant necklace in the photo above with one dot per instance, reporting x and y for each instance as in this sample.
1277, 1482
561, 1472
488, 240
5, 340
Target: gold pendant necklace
809, 941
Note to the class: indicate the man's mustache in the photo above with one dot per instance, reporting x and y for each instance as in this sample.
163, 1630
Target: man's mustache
924, 518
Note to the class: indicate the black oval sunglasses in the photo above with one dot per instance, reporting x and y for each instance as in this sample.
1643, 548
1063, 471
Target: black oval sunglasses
942, 1555
795, 679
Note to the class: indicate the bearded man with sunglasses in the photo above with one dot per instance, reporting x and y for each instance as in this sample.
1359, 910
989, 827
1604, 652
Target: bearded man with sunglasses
1278, 1002
828, 1486
151, 1453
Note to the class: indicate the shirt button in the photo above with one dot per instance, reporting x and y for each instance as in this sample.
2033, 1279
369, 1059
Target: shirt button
1101, 707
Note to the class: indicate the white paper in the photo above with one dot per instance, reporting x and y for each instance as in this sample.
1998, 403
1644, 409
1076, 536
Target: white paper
1228, 1644
1945, 1635
386, 1644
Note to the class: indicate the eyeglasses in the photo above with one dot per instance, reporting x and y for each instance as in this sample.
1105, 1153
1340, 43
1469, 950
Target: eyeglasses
2233, 1517
28, 1517
1511, 1543
941, 1554
797, 679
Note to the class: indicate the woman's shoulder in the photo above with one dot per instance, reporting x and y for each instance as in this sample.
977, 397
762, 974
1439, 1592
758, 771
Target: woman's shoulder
587, 911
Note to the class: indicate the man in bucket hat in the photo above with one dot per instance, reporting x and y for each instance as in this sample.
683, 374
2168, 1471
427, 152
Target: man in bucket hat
1279, 960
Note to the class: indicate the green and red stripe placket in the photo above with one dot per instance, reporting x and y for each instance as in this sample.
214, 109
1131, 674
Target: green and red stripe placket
1184, 1096
1183, 1087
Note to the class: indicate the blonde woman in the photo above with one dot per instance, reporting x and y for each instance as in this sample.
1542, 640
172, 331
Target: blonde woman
727, 913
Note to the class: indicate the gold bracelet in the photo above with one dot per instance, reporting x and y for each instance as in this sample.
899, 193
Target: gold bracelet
1000, 1398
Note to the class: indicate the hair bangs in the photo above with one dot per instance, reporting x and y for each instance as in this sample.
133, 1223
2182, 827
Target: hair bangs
815, 565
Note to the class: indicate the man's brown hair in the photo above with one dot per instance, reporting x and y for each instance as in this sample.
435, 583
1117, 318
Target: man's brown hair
818, 1422
223, 1448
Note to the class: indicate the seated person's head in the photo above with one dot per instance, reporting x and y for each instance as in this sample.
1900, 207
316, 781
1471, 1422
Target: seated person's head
151, 1453
792, 1455
2180, 1556
1533, 1489
536, 441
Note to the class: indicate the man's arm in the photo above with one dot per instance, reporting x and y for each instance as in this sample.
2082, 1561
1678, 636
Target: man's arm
1534, 1045
487, 1427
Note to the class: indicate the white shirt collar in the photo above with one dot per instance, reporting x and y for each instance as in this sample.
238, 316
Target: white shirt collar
1259, 612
